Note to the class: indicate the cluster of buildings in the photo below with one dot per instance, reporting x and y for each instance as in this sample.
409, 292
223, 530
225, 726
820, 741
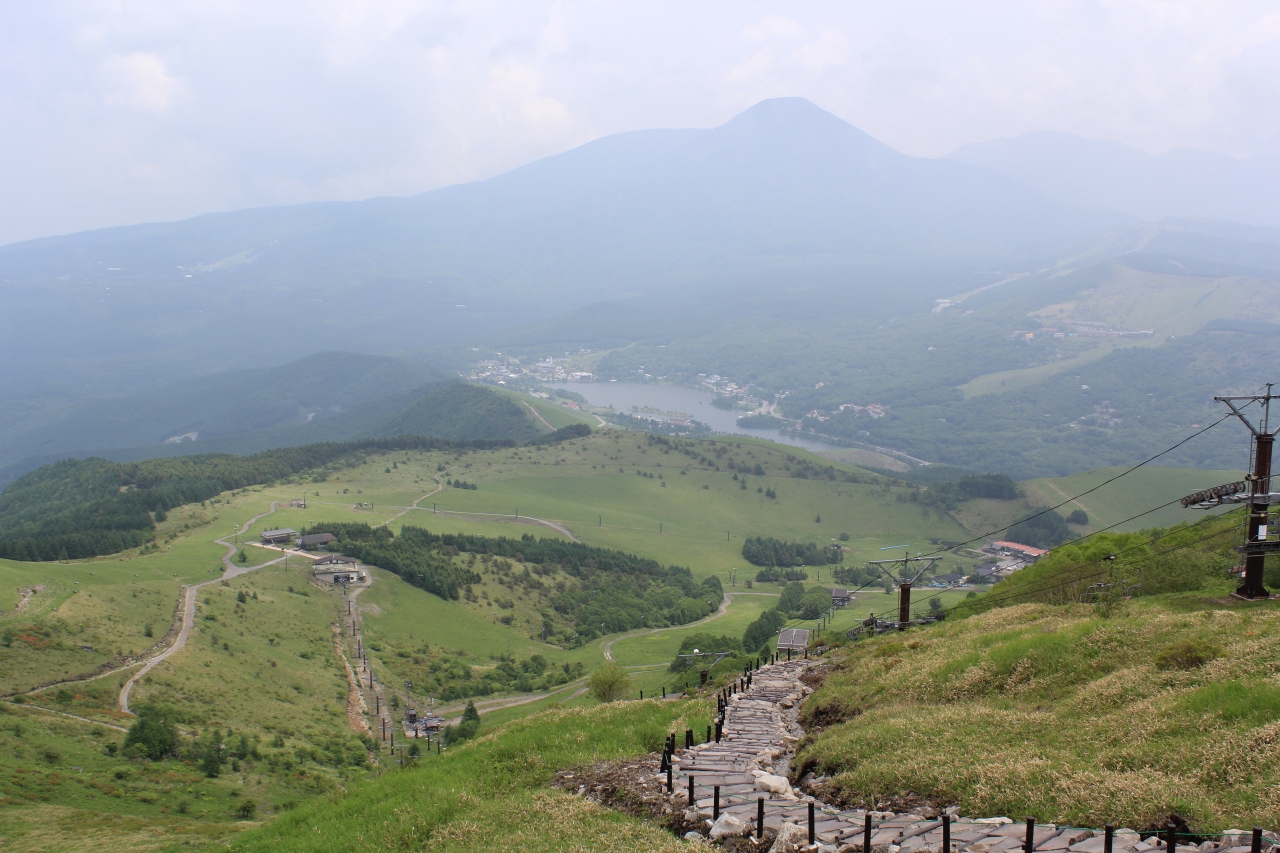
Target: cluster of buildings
548, 369
330, 568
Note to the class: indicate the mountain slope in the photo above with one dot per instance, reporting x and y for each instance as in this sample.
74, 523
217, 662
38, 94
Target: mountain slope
781, 193
1098, 173
325, 397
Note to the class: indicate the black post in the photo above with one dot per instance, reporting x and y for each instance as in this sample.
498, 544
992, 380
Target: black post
664, 691
641, 694
708, 734
1029, 845
1256, 845
1108, 838
688, 738
788, 655
811, 833
1171, 837
669, 779
439, 749
946, 833
715, 804
692, 799
718, 727
760, 817
1258, 508
666, 761
866, 833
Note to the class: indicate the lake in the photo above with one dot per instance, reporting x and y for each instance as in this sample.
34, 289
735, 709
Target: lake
692, 402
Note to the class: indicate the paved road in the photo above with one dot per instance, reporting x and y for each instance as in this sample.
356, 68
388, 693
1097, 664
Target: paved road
189, 607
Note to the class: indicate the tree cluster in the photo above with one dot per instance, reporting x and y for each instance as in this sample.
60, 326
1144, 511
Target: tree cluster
768, 551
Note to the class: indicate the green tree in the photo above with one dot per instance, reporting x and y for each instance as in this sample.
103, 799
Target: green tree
242, 557
609, 683
789, 602
153, 735
471, 714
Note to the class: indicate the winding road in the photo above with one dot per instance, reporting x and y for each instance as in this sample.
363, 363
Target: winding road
189, 606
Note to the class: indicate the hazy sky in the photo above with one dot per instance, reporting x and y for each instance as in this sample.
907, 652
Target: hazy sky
122, 112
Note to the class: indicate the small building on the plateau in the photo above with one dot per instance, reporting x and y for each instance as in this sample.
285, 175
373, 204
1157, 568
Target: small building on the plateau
840, 596
949, 579
316, 540
337, 570
278, 537
794, 639
1027, 553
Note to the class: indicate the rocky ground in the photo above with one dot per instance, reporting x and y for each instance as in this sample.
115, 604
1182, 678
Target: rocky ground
752, 762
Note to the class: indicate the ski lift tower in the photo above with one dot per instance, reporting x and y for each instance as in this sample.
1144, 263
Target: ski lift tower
904, 579
1254, 490
703, 671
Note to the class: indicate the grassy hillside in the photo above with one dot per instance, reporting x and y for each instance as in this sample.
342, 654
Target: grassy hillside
1063, 713
496, 788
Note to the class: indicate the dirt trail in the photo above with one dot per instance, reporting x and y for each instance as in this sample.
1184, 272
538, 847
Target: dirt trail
189, 606
538, 416
722, 610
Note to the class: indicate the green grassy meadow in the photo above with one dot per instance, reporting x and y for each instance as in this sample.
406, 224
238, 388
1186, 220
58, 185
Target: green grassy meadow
266, 668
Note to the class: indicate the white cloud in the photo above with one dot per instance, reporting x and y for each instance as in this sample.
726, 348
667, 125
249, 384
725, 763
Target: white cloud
153, 109
140, 80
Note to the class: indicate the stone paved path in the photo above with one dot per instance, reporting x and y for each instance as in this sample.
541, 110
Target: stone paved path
760, 731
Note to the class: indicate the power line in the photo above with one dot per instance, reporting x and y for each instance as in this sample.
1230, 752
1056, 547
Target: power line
1087, 491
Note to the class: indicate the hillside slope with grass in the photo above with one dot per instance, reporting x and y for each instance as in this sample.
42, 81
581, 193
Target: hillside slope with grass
1120, 711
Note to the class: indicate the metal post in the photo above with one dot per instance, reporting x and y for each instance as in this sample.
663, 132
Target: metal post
708, 734
866, 833
1171, 837
946, 833
715, 804
668, 778
1256, 844
760, 817
1029, 845
692, 799
1108, 838
1255, 558
688, 738
904, 605
718, 728
811, 833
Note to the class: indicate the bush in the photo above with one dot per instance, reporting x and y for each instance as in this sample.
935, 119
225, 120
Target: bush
1078, 516
246, 810
609, 683
1185, 654
153, 735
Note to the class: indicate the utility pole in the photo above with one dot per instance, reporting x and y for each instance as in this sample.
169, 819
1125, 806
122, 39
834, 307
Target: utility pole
1257, 543
904, 580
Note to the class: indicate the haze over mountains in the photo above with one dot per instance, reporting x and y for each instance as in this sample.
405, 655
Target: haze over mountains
785, 188
781, 248
1184, 183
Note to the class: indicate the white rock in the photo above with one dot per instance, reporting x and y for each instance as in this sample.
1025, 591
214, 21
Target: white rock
790, 839
773, 784
727, 826
693, 835
992, 821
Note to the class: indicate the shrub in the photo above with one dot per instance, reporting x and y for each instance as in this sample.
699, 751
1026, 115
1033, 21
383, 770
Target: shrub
609, 683
1185, 654
153, 735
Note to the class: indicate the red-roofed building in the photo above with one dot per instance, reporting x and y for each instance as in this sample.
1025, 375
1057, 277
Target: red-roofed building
1016, 549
